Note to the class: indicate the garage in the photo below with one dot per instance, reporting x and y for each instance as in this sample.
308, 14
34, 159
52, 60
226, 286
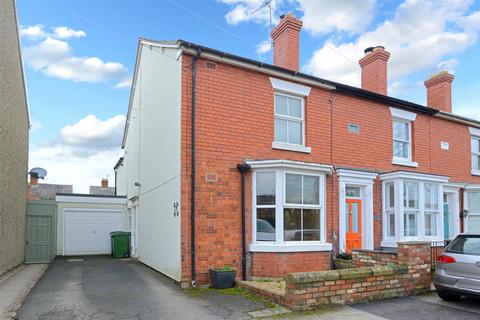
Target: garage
85, 221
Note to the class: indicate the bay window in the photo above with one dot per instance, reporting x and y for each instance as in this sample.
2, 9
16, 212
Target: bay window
412, 205
289, 209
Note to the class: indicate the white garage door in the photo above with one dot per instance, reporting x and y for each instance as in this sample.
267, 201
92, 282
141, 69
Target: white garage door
87, 231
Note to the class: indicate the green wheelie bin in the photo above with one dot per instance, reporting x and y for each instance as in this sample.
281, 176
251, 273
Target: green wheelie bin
120, 244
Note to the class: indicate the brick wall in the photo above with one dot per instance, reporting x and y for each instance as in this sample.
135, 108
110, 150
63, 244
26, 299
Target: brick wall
410, 276
235, 123
373, 258
270, 264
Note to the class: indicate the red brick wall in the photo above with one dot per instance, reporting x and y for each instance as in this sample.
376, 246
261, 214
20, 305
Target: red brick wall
235, 122
372, 258
268, 264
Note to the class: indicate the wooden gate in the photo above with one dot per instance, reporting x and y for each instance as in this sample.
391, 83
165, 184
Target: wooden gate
41, 231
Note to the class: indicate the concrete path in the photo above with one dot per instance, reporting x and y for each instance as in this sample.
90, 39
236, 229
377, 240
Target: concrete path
106, 288
15, 286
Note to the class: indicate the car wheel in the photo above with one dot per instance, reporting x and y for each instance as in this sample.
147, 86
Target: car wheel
448, 296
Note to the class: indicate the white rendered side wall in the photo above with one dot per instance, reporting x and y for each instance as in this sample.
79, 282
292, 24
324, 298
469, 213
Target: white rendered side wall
153, 159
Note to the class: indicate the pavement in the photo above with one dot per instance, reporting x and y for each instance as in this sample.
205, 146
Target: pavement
98, 288
15, 286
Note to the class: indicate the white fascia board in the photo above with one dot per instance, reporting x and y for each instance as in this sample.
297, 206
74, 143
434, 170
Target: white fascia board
354, 174
413, 176
474, 131
92, 199
290, 87
402, 114
289, 164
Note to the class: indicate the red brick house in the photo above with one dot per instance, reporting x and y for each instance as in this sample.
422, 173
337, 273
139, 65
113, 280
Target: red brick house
286, 169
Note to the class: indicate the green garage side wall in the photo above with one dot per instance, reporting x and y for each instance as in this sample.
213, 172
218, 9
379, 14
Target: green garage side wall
41, 231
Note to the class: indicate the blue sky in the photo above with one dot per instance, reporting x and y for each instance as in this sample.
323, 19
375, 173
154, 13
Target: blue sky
78, 53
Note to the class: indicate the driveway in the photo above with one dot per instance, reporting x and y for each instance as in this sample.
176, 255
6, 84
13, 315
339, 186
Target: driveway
98, 288
106, 288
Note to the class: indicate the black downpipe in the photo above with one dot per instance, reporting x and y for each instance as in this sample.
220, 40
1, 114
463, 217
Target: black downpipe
192, 195
243, 168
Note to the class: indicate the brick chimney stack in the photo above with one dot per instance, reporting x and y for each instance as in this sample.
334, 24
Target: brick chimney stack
374, 69
104, 183
286, 42
439, 91
33, 179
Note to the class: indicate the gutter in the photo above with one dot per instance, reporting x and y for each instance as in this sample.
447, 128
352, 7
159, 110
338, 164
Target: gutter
192, 191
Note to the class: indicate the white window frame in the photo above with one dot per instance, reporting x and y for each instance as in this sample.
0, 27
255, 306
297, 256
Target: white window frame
474, 135
406, 117
287, 118
398, 178
469, 189
292, 90
281, 168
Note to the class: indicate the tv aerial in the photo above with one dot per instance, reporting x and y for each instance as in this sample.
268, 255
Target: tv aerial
265, 4
38, 173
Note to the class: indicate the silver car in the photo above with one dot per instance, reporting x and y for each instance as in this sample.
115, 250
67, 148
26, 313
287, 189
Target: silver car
458, 268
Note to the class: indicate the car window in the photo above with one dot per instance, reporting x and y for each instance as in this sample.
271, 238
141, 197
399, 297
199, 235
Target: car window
465, 244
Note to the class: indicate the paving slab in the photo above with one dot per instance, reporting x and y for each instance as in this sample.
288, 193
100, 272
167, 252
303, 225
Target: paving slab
15, 286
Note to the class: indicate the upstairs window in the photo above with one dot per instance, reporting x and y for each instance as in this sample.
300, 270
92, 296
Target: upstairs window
402, 137
475, 142
289, 119
402, 146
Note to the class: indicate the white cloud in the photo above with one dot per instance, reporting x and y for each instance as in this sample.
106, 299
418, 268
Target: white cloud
36, 31
46, 52
85, 69
61, 32
66, 32
320, 17
250, 10
264, 47
35, 125
125, 83
415, 43
93, 133
83, 153
54, 58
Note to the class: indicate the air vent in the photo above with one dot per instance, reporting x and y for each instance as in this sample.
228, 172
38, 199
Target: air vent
211, 65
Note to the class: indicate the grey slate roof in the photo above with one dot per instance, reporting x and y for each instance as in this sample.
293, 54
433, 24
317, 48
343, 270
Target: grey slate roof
47, 191
104, 191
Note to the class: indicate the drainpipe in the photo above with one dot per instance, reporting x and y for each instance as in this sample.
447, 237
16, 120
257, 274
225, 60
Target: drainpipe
243, 168
192, 191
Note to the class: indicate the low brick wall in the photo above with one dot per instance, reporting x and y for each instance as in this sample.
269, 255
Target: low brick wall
373, 258
411, 275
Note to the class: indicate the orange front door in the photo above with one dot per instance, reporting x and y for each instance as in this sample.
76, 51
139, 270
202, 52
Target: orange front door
354, 224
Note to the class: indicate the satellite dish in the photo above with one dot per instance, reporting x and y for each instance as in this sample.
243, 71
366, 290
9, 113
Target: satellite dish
39, 173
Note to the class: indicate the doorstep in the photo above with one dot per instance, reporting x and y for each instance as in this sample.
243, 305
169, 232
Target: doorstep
15, 285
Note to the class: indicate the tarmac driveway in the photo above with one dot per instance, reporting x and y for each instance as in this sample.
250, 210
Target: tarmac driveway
98, 287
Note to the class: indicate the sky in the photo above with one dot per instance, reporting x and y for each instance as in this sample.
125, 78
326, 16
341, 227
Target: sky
79, 57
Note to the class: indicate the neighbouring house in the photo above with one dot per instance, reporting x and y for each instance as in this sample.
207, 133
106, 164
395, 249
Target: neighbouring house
231, 161
103, 189
45, 191
14, 126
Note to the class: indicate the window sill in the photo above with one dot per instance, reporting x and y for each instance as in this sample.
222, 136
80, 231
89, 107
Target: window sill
264, 247
388, 243
475, 172
403, 162
291, 147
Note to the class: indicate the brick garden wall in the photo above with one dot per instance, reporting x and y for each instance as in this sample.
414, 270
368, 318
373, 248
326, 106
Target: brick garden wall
272, 264
373, 258
411, 275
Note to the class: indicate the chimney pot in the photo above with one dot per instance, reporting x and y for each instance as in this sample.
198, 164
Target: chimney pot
33, 179
104, 183
374, 69
439, 91
286, 42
